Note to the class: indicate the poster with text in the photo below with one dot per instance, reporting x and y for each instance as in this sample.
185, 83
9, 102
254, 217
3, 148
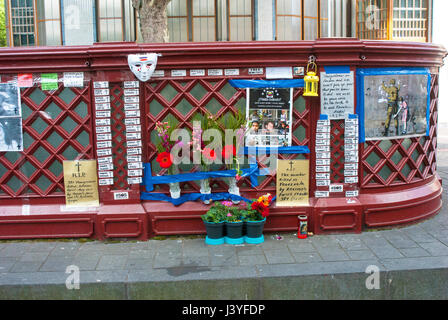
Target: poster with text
11, 134
292, 183
269, 112
337, 94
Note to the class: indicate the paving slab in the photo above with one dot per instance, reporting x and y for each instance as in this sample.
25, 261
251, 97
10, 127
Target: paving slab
412, 262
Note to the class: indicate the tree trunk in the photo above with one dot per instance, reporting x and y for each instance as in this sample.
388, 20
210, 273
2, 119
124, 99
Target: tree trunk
153, 19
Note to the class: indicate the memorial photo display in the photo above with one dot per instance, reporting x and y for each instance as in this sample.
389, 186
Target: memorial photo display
269, 117
11, 135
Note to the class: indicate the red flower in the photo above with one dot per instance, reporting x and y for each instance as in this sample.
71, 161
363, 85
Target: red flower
228, 152
165, 159
260, 207
209, 154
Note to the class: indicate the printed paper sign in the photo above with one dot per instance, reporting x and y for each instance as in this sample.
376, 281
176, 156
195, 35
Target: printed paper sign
105, 160
323, 162
130, 159
292, 183
105, 136
322, 176
106, 182
132, 121
133, 136
49, 81
321, 194
102, 114
131, 92
256, 71
214, 72
351, 179
101, 92
337, 94
278, 72
134, 173
135, 165
102, 99
134, 151
24, 80
130, 84
102, 106
104, 144
134, 143
100, 84
322, 148
80, 181
178, 73
136, 180
132, 113
131, 106
106, 166
131, 99
336, 188
232, 72
74, 79
105, 129
121, 195
351, 193
102, 122
197, 72
105, 174
322, 183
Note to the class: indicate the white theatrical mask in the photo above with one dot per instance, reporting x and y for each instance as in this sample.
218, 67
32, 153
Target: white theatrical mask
143, 65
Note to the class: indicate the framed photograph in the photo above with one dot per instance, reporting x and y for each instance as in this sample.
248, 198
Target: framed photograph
11, 137
10, 100
393, 103
269, 115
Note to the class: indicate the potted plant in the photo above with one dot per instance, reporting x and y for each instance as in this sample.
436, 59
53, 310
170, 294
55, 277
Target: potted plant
214, 225
255, 217
233, 224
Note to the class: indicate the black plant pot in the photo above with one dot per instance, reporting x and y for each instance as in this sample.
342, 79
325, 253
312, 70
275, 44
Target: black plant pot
254, 231
234, 232
215, 232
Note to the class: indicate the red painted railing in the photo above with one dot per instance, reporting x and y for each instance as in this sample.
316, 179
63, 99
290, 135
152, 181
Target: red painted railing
59, 124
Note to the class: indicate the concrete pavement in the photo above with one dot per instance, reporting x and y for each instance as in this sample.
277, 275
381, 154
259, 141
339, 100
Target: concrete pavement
412, 260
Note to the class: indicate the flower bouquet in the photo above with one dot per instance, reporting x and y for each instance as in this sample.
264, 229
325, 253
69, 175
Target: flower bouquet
255, 217
165, 157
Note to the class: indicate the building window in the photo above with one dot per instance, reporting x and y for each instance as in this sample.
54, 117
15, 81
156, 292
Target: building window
22, 18
405, 20
301, 19
110, 20
240, 20
204, 20
177, 12
372, 18
49, 22
410, 19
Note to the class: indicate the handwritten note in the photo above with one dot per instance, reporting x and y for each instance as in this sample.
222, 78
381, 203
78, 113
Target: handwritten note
81, 183
292, 183
337, 94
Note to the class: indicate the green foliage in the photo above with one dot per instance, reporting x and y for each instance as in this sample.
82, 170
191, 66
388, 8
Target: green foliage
215, 214
2, 24
234, 214
251, 215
